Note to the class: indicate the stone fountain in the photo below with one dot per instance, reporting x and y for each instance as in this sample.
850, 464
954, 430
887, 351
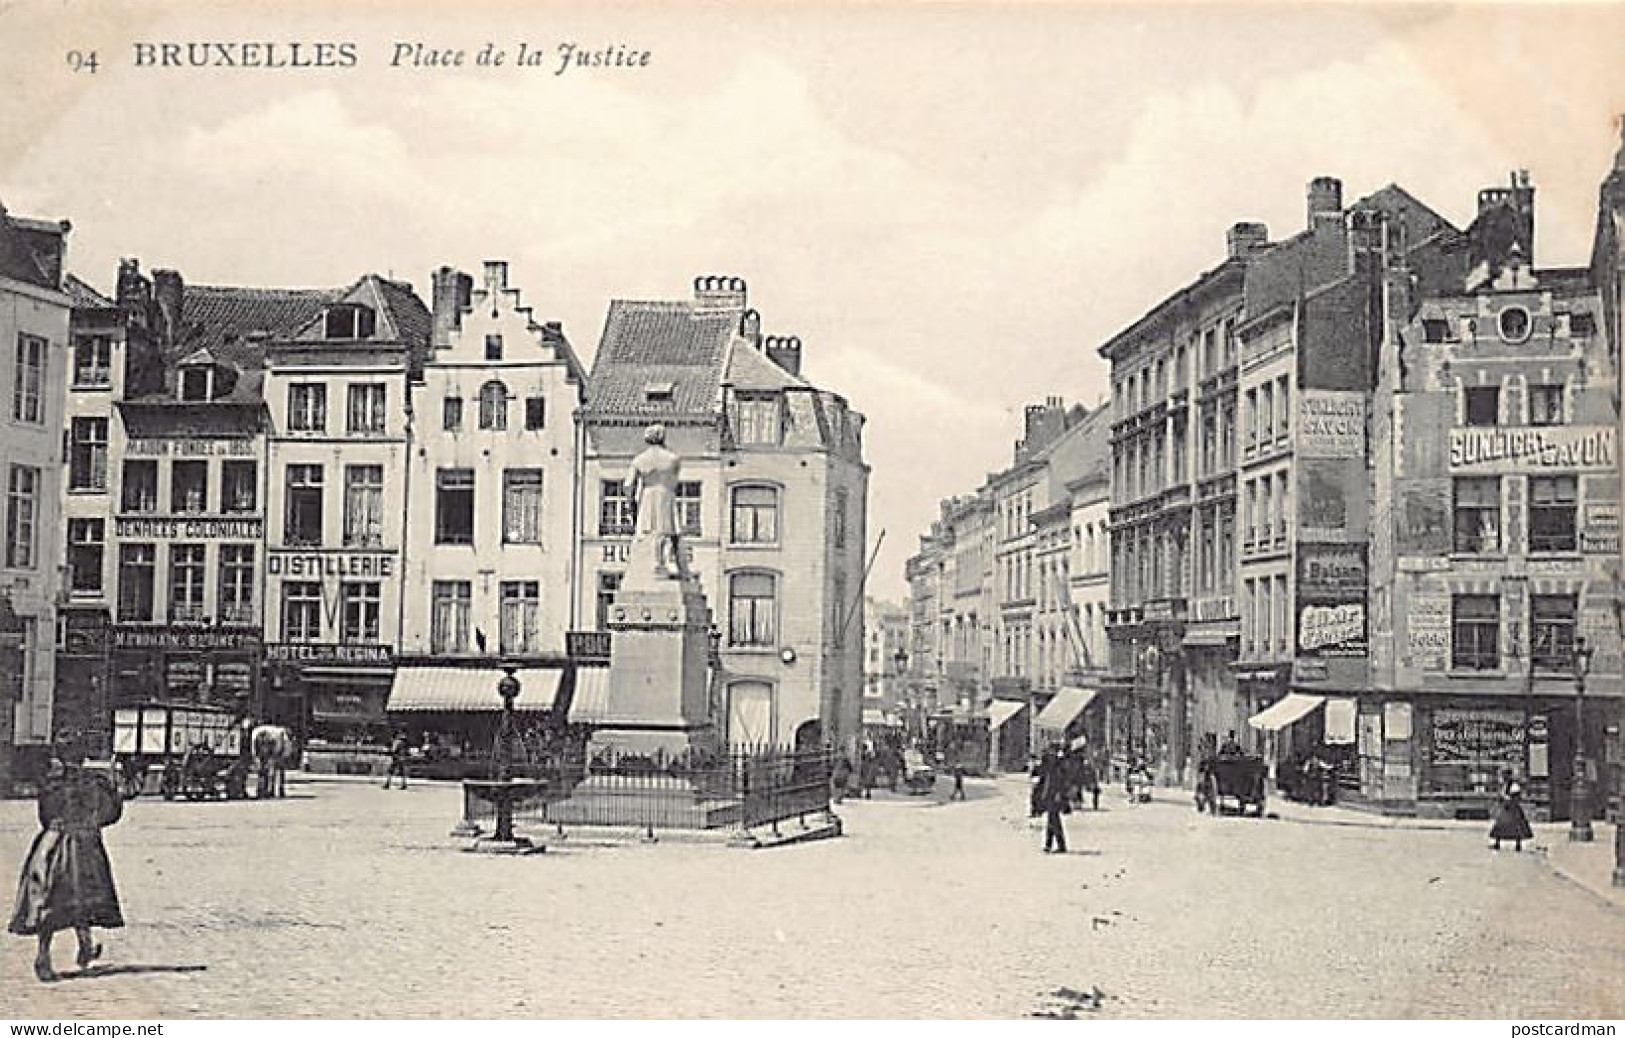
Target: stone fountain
502, 790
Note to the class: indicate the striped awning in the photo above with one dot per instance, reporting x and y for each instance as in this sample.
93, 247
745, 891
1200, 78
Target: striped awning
1001, 710
591, 699
1288, 710
1065, 708
468, 689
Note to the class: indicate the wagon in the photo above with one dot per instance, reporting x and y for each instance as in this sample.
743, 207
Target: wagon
1241, 779
151, 744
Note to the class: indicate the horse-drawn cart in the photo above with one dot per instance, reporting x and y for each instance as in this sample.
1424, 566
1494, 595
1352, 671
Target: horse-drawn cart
180, 751
1240, 778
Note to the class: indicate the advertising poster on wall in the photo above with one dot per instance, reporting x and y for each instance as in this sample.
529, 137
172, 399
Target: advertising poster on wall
1332, 503
1418, 417
1332, 630
1422, 516
1599, 533
1427, 630
1331, 424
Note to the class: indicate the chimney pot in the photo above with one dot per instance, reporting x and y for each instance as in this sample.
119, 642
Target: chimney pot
1325, 197
496, 276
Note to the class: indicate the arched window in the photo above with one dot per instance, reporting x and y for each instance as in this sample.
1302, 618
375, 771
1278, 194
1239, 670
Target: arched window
493, 406
753, 610
750, 714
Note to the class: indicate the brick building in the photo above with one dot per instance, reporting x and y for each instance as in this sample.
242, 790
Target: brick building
773, 505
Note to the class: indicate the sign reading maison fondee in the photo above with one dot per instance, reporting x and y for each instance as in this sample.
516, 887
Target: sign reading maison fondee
206, 528
326, 652
1519, 448
189, 448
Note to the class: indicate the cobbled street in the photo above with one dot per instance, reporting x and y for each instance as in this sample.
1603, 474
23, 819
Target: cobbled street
348, 901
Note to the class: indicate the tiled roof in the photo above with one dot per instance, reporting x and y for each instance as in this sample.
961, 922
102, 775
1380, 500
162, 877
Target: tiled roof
229, 323
653, 342
84, 297
31, 250
748, 369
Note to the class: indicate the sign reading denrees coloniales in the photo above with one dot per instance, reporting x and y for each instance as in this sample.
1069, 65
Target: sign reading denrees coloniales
1520, 449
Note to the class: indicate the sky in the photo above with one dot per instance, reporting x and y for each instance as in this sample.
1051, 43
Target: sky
952, 205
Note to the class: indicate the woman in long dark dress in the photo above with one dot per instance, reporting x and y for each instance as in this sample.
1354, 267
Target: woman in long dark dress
1510, 821
67, 882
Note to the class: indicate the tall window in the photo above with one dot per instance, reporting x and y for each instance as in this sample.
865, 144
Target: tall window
189, 487
1283, 400
752, 617
617, 511
236, 583
239, 486
535, 412
22, 517
1545, 405
86, 539
1552, 503
522, 506
493, 347
30, 379
493, 406
1266, 414
364, 505
93, 361
1478, 514
750, 714
1475, 629
137, 564
454, 506
366, 407
1483, 405
304, 505
140, 485
449, 619
755, 515
451, 413
307, 407
1551, 631
1266, 618
758, 420
87, 464
186, 582
521, 616
302, 611
838, 520
360, 602
688, 507
608, 584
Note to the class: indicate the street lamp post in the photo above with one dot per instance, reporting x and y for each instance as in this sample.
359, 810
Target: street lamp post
1580, 793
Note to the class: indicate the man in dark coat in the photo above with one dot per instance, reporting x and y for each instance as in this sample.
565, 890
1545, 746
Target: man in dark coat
1055, 798
399, 751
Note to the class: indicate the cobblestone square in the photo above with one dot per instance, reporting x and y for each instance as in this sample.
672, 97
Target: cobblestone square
348, 901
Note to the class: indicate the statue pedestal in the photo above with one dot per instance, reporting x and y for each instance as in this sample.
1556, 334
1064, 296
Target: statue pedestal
659, 671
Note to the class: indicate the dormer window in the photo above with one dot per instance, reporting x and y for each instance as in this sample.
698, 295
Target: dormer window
349, 321
758, 420
197, 382
1435, 330
659, 392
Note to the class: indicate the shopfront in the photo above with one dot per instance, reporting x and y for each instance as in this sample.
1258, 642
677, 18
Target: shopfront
203, 666
337, 694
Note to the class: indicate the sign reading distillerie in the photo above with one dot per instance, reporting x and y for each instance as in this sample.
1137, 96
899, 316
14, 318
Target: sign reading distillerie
370, 565
1545, 447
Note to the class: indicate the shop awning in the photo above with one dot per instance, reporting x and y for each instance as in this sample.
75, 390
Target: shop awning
468, 689
1001, 710
591, 700
1294, 707
1065, 708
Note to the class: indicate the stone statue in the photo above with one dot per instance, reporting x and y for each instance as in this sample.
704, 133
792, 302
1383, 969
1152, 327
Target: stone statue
653, 485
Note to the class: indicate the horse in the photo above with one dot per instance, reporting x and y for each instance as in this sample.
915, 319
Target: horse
273, 751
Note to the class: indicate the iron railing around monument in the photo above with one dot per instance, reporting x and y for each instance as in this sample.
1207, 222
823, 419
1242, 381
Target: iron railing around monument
744, 788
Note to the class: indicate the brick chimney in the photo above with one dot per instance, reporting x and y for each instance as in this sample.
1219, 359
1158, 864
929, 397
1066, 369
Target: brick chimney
1244, 238
168, 292
1325, 197
785, 351
452, 293
718, 293
750, 327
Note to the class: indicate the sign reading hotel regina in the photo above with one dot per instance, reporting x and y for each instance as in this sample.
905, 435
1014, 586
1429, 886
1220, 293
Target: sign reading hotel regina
1520, 449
